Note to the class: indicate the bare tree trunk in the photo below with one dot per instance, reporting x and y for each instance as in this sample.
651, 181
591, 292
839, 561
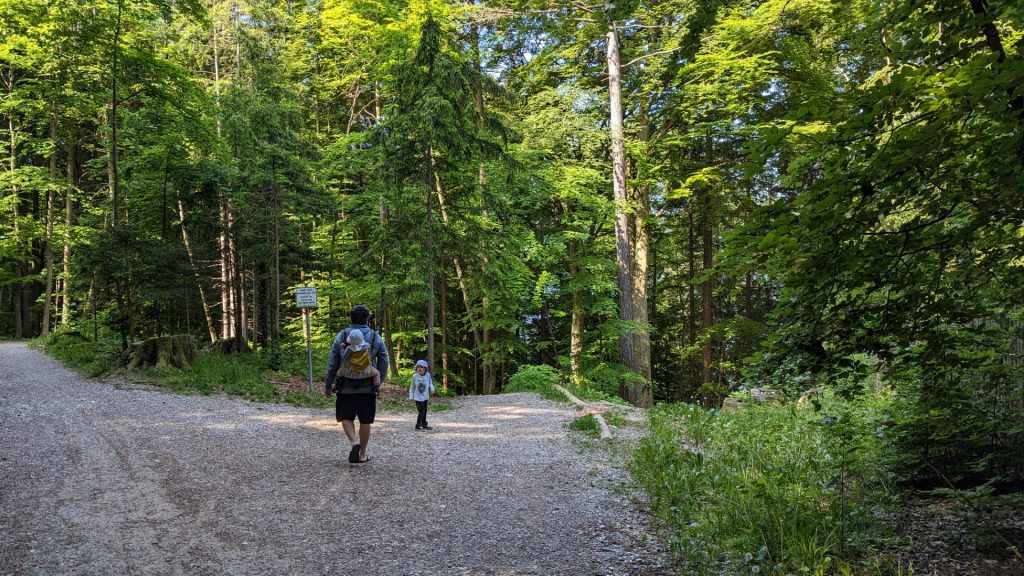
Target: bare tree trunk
277, 277
708, 399
211, 329
576, 334
65, 314
489, 369
443, 289
17, 289
235, 272
225, 280
631, 244
243, 303
692, 300
442, 205
431, 260
227, 304
44, 326
254, 303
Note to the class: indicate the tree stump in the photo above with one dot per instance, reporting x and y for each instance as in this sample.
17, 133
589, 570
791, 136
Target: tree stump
178, 351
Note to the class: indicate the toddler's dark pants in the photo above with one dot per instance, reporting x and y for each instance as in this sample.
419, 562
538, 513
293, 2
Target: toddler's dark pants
421, 418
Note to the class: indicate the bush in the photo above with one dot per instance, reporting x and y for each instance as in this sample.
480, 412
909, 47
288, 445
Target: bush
768, 489
94, 359
540, 379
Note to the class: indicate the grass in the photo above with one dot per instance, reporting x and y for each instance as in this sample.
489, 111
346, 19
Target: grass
93, 359
767, 490
615, 419
237, 375
586, 424
242, 375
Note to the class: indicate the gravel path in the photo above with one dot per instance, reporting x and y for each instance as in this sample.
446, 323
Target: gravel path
96, 479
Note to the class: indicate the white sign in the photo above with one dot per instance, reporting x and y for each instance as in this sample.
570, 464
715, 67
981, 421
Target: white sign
305, 297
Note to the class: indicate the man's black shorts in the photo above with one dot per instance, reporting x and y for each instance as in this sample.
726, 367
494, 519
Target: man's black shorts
349, 406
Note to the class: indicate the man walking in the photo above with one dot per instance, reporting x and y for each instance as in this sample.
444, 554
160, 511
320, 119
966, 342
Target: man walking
357, 396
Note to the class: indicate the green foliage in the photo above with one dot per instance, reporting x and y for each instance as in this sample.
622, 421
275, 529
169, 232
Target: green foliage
603, 382
957, 423
540, 379
890, 238
586, 424
768, 489
615, 419
237, 375
219, 373
92, 358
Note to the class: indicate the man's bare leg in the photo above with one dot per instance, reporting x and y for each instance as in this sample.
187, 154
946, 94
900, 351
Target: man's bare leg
349, 427
364, 439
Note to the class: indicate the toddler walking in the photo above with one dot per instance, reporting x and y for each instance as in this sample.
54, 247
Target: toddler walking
420, 389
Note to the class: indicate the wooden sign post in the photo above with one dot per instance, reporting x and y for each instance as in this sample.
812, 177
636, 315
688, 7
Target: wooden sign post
305, 298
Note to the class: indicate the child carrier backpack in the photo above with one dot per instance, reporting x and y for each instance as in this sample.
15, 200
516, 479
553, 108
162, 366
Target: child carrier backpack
355, 364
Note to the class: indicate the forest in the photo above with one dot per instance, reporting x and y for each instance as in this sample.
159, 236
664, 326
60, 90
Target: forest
661, 202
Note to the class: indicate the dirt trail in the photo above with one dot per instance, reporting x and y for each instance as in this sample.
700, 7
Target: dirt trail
96, 479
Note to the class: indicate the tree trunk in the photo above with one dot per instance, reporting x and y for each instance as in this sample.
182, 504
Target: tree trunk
17, 290
238, 289
277, 282
442, 205
222, 246
708, 399
691, 318
576, 334
632, 277
431, 260
443, 289
65, 314
207, 313
576, 339
489, 369
44, 326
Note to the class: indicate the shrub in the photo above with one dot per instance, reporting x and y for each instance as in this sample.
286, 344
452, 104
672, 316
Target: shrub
91, 358
769, 489
540, 379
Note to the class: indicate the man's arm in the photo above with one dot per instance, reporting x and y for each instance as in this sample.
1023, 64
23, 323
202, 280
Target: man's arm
333, 363
382, 358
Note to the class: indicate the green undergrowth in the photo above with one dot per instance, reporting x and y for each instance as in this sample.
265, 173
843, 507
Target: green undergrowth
586, 424
766, 490
615, 419
543, 378
245, 375
237, 375
242, 375
93, 359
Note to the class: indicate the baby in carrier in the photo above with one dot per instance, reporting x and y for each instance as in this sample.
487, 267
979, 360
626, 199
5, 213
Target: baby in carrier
355, 359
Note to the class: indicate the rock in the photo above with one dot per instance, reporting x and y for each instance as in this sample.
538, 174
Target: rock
766, 396
733, 404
